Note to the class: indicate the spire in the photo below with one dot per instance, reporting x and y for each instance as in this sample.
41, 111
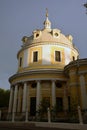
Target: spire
46, 12
47, 23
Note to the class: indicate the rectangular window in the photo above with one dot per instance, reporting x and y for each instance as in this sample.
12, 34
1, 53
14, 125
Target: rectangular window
20, 64
57, 56
35, 56
32, 106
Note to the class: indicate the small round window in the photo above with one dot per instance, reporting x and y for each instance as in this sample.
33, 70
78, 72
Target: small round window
56, 34
37, 35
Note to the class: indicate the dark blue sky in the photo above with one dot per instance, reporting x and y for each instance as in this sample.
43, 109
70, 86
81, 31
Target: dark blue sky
20, 17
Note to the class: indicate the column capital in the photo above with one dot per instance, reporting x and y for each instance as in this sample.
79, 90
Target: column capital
38, 80
53, 80
25, 83
82, 75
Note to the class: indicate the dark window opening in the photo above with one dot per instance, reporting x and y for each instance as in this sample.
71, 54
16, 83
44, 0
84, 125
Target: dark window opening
59, 104
73, 58
32, 106
20, 64
34, 85
37, 35
56, 34
58, 84
57, 56
35, 56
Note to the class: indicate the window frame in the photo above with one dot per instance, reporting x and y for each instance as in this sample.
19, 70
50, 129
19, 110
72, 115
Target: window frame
57, 56
35, 56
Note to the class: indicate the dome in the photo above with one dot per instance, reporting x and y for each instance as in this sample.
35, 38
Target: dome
46, 48
47, 36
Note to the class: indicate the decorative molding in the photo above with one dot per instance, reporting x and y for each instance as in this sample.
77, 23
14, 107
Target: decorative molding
48, 43
76, 84
39, 79
40, 71
79, 72
76, 63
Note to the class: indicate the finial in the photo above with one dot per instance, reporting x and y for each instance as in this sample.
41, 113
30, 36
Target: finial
47, 23
46, 12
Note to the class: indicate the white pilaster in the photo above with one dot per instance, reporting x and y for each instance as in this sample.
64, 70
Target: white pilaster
53, 93
83, 92
24, 97
11, 100
38, 95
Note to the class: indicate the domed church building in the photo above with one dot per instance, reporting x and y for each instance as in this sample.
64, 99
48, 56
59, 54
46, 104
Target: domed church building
48, 68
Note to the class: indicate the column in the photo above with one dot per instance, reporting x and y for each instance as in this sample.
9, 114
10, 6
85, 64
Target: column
27, 103
15, 98
0, 114
38, 95
53, 93
49, 114
24, 97
19, 99
80, 115
11, 99
83, 92
14, 102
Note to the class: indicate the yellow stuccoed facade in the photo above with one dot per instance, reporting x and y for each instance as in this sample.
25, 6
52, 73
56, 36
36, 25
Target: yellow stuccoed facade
48, 68
77, 69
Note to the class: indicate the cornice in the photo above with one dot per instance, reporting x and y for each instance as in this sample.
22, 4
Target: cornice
40, 71
36, 79
76, 63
